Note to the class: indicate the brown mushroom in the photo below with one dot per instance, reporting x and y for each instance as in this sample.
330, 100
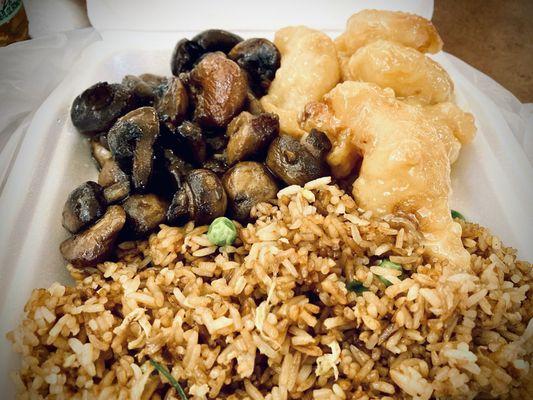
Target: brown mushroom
218, 88
296, 163
98, 107
144, 213
100, 153
173, 104
193, 143
146, 88
111, 174
95, 243
260, 58
250, 135
84, 205
247, 184
117, 192
131, 141
201, 199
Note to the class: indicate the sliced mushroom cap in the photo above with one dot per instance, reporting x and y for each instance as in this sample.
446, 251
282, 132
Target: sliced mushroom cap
98, 107
317, 143
247, 184
84, 205
216, 40
111, 174
131, 141
95, 243
117, 192
173, 104
201, 199
218, 88
144, 213
260, 58
291, 161
100, 153
250, 135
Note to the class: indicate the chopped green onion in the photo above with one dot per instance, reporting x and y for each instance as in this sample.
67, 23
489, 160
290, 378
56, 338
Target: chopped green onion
389, 264
170, 378
222, 232
356, 286
457, 214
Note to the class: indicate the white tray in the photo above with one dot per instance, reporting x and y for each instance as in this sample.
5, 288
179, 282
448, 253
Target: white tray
492, 180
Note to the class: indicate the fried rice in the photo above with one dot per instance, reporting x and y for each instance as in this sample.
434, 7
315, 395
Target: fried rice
271, 317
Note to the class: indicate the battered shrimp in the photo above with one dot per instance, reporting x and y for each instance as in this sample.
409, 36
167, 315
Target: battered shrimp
368, 26
406, 161
411, 74
309, 69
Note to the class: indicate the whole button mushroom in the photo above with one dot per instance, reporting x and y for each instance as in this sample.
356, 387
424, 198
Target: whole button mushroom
84, 205
144, 213
98, 107
131, 142
201, 199
297, 163
212, 40
250, 135
93, 245
260, 58
218, 88
247, 184
185, 55
188, 52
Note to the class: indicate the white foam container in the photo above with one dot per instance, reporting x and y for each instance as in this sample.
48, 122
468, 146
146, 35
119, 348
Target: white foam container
492, 180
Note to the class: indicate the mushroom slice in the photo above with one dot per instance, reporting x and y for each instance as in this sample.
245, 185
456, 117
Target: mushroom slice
100, 153
247, 184
84, 205
95, 243
260, 58
218, 88
173, 104
111, 174
117, 192
250, 135
293, 163
317, 143
144, 213
98, 107
177, 168
131, 141
201, 199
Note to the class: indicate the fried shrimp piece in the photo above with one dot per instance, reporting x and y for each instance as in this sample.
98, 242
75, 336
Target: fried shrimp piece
406, 162
309, 69
368, 26
411, 74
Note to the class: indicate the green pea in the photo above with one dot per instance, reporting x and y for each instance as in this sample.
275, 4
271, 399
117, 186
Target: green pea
222, 232
356, 286
457, 214
389, 264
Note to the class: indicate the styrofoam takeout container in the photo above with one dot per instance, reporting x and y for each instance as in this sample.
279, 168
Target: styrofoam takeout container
491, 180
